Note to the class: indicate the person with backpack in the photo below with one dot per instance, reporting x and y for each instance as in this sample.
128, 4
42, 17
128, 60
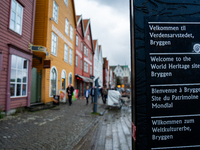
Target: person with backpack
105, 93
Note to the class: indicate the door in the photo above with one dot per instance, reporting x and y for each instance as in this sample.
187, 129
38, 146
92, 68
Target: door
36, 82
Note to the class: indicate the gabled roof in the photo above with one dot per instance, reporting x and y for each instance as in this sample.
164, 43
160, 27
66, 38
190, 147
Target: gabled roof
73, 5
99, 48
86, 25
94, 44
113, 67
77, 18
80, 20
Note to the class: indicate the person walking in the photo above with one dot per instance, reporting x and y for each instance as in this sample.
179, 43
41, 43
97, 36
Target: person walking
104, 92
87, 94
70, 90
92, 94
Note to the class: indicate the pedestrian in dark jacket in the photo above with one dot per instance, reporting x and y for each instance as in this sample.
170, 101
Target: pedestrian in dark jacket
92, 94
87, 94
104, 92
70, 90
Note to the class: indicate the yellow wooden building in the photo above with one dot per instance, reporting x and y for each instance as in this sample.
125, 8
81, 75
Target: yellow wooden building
54, 48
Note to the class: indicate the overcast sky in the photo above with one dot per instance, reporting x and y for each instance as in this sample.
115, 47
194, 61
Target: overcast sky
110, 26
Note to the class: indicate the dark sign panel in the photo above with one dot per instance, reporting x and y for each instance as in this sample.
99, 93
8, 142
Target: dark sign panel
166, 55
47, 64
173, 83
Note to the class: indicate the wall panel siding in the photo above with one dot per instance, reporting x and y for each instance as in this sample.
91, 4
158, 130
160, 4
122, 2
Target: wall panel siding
10, 37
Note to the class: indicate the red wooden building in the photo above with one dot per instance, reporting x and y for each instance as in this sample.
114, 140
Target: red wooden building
16, 28
84, 55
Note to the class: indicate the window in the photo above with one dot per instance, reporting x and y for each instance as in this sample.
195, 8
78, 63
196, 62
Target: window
71, 32
66, 26
55, 11
66, 53
81, 64
81, 46
66, 2
76, 40
63, 76
18, 76
54, 44
70, 56
90, 69
70, 78
88, 37
85, 66
90, 56
76, 60
53, 82
87, 52
16, 17
84, 50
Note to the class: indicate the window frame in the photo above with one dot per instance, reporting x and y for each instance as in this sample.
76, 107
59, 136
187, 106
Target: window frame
76, 40
69, 79
91, 69
16, 16
71, 32
55, 20
53, 67
53, 34
66, 26
22, 72
81, 46
81, 64
66, 2
66, 52
91, 56
65, 79
76, 60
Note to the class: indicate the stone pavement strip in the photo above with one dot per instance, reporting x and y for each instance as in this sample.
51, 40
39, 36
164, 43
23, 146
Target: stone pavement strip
60, 128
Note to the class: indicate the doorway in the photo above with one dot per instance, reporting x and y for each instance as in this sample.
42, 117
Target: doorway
36, 84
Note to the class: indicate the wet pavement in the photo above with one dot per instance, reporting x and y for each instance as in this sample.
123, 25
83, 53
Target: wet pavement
113, 132
59, 128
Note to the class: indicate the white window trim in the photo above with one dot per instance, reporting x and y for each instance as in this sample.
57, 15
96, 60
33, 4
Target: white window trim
76, 61
81, 46
77, 40
67, 53
16, 17
81, 64
53, 11
68, 27
22, 81
72, 78
66, 3
71, 33
65, 79
56, 44
53, 67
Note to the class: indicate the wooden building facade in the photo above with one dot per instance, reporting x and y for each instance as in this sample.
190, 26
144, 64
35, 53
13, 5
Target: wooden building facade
16, 28
55, 25
84, 55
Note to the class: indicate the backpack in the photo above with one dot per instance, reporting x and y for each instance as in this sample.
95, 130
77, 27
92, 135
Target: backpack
104, 91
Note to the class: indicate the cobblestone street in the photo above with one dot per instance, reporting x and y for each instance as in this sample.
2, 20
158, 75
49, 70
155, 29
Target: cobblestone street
58, 128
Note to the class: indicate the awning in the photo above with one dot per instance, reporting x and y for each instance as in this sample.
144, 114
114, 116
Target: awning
85, 79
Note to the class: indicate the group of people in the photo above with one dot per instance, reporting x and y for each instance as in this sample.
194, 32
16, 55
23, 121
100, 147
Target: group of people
87, 93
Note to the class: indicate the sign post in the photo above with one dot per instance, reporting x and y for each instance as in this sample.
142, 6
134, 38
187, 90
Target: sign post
167, 43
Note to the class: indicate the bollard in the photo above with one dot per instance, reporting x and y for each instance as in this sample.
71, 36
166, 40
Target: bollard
96, 95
